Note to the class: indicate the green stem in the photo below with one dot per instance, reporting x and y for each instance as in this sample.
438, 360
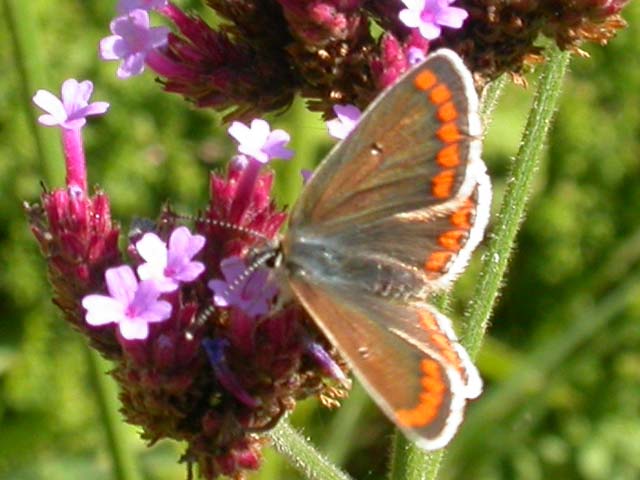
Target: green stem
302, 455
489, 100
515, 198
123, 462
23, 28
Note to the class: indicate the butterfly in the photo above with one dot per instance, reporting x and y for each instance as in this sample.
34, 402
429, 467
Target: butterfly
388, 219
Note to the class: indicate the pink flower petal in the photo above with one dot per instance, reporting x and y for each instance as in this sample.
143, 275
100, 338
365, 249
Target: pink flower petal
452, 17
112, 47
152, 249
121, 283
102, 310
347, 119
51, 104
132, 329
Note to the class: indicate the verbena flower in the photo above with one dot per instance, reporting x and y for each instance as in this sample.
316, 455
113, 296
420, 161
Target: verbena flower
259, 142
131, 305
69, 113
168, 267
71, 109
429, 16
253, 294
347, 117
132, 40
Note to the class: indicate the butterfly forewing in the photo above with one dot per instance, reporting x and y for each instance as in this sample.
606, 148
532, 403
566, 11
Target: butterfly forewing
412, 149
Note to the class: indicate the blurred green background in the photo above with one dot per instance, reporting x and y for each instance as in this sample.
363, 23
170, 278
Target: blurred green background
562, 358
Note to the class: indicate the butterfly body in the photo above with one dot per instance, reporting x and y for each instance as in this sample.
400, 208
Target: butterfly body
389, 218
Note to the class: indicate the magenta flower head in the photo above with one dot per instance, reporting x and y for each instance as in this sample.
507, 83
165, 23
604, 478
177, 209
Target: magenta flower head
168, 267
429, 16
126, 6
131, 305
347, 117
259, 142
132, 40
200, 322
71, 109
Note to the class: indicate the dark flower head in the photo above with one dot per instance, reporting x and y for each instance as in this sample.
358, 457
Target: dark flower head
328, 51
503, 37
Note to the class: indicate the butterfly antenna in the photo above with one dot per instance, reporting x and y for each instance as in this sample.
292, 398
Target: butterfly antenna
203, 316
227, 225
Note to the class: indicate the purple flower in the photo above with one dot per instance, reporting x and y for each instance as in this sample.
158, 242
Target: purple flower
252, 294
69, 113
326, 362
347, 117
126, 6
168, 267
259, 142
429, 15
415, 55
131, 41
132, 305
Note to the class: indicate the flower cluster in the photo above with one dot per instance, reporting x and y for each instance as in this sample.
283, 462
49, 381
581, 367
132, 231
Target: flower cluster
266, 52
200, 351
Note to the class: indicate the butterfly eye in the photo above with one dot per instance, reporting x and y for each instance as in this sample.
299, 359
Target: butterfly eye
275, 260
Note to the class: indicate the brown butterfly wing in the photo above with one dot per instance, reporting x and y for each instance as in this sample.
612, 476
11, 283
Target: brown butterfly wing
413, 149
405, 361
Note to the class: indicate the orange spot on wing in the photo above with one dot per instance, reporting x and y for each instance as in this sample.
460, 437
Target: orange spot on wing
437, 261
449, 156
442, 184
463, 217
440, 94
449, 133
452, 240
431, 385
447, 112
429, 400
427, 321
425, 80
441, 341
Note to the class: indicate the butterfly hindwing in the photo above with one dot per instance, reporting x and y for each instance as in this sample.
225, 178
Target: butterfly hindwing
401, 354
